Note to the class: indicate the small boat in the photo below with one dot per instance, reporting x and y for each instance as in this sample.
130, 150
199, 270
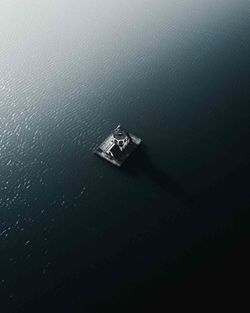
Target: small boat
118, 146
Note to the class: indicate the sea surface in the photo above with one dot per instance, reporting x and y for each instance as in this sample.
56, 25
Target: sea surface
76, 233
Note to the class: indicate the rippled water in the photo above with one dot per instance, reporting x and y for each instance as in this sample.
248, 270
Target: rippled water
176, 73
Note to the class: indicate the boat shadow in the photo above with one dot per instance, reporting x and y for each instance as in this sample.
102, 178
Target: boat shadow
140, 163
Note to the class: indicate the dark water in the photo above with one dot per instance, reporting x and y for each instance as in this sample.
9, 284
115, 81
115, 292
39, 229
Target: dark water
76, 233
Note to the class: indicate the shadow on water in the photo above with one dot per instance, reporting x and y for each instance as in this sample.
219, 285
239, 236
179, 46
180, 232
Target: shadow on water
140, 163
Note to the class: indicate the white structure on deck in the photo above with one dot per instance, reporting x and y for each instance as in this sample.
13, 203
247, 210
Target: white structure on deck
118, 142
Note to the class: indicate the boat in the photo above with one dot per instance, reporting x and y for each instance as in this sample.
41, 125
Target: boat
118, 146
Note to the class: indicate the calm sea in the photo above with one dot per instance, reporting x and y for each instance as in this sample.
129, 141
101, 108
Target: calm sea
75, 232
